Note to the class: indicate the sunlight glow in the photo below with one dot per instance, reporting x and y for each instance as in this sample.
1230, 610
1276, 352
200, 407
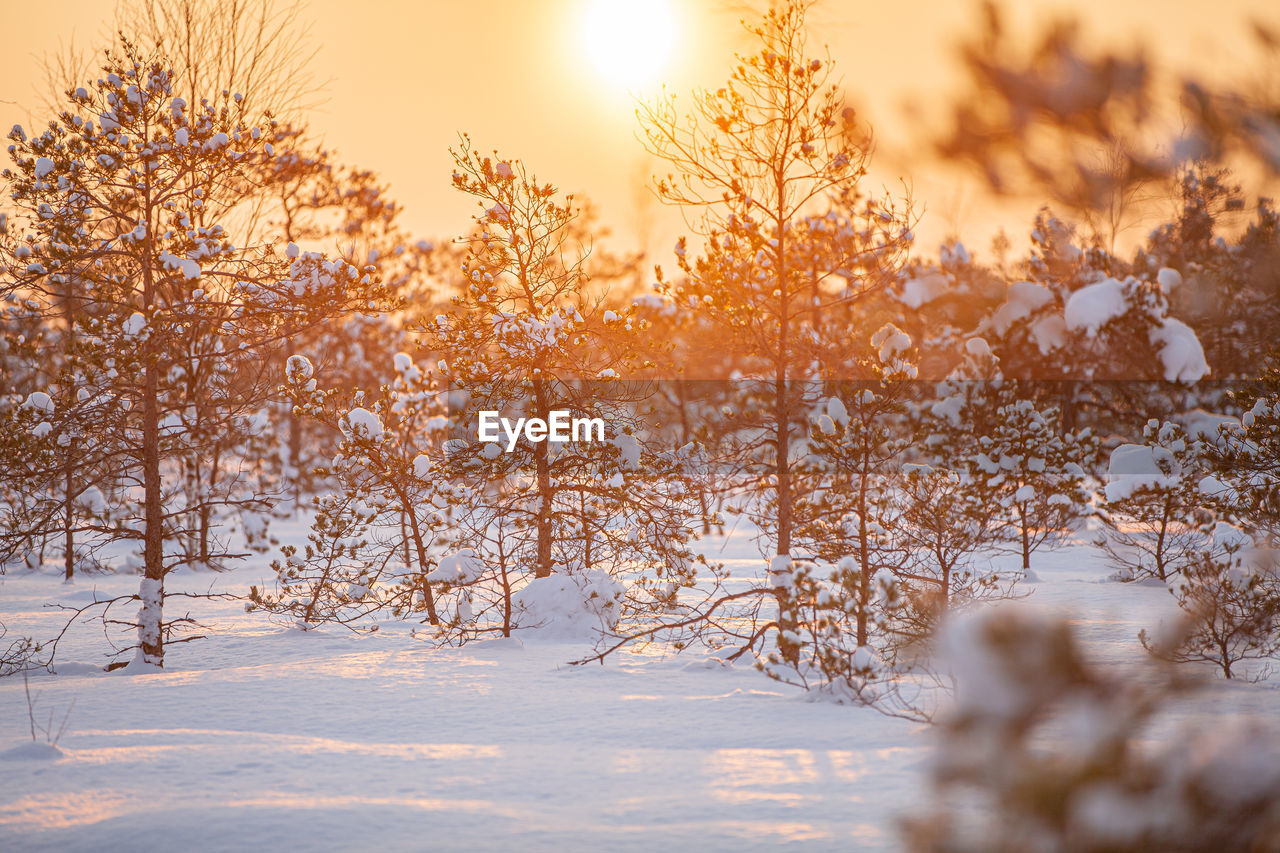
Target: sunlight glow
629, 40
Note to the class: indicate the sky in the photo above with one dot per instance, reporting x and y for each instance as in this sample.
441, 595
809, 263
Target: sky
405, 78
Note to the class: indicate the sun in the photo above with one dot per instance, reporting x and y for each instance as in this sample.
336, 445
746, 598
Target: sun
629, 40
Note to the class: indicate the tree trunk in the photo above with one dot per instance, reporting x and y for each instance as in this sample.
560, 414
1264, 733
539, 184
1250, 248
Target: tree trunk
295, 451
864, 562
151, 593
542, 568
68, 514
782, 449
151, 590
206, 511
1026, 540
427, 597
506, 587
68, 517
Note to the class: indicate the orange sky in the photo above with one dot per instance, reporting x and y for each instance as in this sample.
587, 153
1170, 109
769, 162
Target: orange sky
407, 77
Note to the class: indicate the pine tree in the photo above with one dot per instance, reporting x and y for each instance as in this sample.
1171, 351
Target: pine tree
522, 340
168, 306
854, 459
1153, 516
377, 535
763, 159
1243, 462
1229, 595
941, 520
1034, 473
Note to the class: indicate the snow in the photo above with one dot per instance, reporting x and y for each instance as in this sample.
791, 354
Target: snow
978, 347
1022, 299
39, 401
360, 422
43, 166
628, 449
264, 737
1137, 466
780, 573
580, 606
1049, 333
837, 412
421, 465
298, 368
1168, 280
93, 501
1093, 306
31, 751
1199, 423
189, 268
133, 325
1180, 351
923, 289
949, 409
462, 567
890, 341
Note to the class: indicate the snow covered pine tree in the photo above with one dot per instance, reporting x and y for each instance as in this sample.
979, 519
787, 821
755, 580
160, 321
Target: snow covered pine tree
115, 192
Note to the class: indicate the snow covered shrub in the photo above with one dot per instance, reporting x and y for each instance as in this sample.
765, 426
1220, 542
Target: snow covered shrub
1012, 450
1244, 461
313, 198
939, 518
25, 449
1153, 516
371, 546
52, 491
1032, 471
820, 650
1045, 750
1230, 602
1224, 282
1075, 318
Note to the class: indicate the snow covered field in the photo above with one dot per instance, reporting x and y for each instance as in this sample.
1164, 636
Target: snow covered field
264, 737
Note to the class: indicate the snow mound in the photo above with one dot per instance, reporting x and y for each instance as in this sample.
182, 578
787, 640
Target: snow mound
39, 401
32, 751
569, 607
